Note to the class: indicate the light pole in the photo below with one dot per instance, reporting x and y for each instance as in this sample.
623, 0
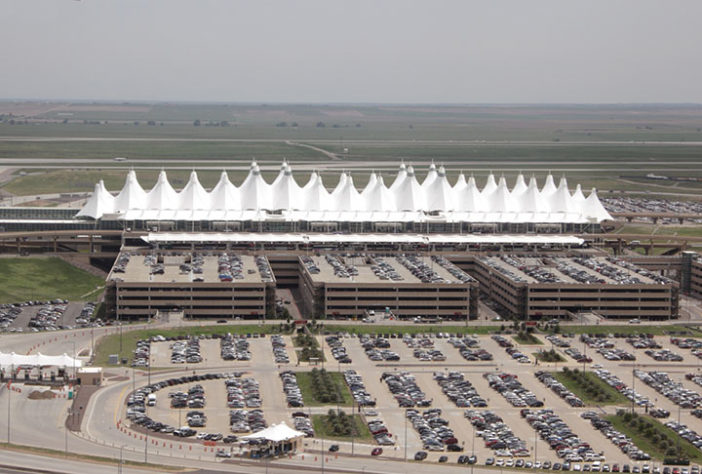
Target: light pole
405, 435
119, 466
9, 392
65, 433
472, 453
536, 447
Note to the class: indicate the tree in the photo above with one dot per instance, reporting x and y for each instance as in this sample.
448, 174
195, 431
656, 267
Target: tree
321, 124
196, 123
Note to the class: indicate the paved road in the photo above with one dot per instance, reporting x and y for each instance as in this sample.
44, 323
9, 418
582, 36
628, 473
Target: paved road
101, 435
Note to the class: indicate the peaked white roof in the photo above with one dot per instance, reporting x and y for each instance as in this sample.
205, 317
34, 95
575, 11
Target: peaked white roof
285, 191
276, 433
501, 199
193, 195
469, 198
370, 185
132, 195
520, 187
560, 201
401, 175
531, 200
379, 197
430, 177
405, 201
315, 195
345, 197
439, 193
225, 195
409, 195
99, 203
490, 185
162, 195
549, 187
255, 193
594, 209
578, 197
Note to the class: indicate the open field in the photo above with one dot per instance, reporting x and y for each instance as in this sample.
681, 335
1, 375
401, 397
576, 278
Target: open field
23, 279
594, 145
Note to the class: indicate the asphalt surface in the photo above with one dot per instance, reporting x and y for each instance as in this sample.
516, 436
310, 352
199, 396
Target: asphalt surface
101, 435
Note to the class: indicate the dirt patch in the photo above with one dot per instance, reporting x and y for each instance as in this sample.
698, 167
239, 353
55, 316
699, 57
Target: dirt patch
45, 395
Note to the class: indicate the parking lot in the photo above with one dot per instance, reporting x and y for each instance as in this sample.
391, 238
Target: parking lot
41, 315
455, 385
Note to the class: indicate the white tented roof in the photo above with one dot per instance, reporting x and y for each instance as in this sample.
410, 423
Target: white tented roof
100, 202
10, 359
436, 200
276, 433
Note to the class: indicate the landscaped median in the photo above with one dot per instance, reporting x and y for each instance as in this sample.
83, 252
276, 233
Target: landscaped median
307, 348
549, 356
527, 338
654, 438
320, 387
589, 388
340, 426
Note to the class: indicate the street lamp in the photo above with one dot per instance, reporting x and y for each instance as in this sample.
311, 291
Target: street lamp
119, 466
405, 435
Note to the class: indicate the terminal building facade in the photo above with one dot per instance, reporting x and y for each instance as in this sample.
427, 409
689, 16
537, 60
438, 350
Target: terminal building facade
164, 238
432, 206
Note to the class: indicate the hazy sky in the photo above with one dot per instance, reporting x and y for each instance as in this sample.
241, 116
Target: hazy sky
352, 51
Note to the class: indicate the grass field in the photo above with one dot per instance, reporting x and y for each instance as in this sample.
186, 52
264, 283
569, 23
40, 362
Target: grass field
527, 339
304, 380
322, 429
592, 144
23, 279
111, 344
644, 443
612, 397
548, 356
419, 329
634, 329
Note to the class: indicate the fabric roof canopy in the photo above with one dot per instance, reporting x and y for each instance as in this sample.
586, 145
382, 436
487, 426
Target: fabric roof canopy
10, 359
406, 200
276, 433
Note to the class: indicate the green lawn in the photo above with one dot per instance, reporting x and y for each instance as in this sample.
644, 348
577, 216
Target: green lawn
304, 380
631, 329
612, 396
322, 429
23, 279
644, 443
527, 339
548, 356
362, 328
110, 344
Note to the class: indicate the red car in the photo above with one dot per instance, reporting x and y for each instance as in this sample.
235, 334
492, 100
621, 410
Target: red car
377, 452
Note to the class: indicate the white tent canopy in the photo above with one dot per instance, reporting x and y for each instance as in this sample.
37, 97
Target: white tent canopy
405, 201
276, 433
10, 359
